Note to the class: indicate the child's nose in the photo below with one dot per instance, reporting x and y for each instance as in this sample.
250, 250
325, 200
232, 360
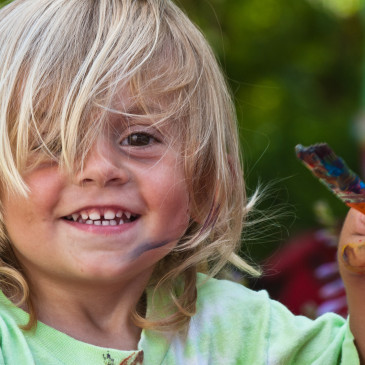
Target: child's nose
103, 166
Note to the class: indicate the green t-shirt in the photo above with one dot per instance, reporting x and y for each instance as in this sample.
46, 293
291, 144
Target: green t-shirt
233, 325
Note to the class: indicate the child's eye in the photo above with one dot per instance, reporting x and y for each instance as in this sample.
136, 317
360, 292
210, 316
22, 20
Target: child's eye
138, 139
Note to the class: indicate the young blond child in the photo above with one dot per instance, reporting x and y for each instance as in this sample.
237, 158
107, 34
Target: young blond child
120, 180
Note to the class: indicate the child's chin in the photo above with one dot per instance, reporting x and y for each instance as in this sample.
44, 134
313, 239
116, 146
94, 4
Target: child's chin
107, 271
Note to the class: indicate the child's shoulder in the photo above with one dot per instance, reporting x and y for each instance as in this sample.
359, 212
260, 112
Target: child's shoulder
230, 303
228, 317
225, 292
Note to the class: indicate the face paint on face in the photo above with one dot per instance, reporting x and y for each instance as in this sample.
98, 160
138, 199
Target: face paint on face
130, 200
149, 246
353, 257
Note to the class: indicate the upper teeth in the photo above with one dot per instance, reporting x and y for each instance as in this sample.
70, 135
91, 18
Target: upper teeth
96, 215
109, 214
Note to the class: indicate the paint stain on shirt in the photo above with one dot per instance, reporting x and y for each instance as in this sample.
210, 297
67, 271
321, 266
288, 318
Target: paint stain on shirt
136, 358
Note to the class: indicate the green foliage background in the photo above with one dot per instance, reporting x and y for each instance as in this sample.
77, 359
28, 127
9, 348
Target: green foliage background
295, 69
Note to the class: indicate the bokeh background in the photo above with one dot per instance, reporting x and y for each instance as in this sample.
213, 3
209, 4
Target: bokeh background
296, 72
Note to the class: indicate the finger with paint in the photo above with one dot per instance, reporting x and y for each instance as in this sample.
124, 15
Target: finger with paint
351, 259
352, 243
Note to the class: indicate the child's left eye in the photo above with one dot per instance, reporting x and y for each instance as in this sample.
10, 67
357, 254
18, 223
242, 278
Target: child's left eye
139, 139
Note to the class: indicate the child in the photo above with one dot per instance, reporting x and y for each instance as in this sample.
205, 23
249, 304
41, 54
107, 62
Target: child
120, 180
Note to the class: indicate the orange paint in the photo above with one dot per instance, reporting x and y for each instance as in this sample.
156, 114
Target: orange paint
358, 206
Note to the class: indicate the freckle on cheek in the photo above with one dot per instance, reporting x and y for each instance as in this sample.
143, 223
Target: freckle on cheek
353, 257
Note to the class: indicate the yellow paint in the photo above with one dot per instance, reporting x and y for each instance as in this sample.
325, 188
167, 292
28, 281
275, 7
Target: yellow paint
353, 257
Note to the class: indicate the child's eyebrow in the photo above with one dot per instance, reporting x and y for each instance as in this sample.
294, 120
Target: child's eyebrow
131, 116
134, 110
135, 114
138, 110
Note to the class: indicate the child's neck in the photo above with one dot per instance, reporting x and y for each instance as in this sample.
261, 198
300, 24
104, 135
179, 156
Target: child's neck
95, 315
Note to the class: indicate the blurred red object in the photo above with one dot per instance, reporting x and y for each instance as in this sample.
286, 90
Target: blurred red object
303, 275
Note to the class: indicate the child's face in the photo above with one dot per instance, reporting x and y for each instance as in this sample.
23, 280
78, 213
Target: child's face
130, 203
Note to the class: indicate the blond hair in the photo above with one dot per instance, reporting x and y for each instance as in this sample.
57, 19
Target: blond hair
61, 61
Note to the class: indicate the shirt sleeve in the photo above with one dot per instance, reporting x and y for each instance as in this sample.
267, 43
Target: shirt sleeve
2, 362
300, 341
241, 326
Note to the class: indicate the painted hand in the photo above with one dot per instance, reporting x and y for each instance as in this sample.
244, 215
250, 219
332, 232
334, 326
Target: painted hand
351, 258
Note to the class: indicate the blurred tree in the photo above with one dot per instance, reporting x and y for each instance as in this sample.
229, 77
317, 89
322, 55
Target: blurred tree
339, 7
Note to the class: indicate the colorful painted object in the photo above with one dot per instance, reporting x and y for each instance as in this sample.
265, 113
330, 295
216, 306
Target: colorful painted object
333, 172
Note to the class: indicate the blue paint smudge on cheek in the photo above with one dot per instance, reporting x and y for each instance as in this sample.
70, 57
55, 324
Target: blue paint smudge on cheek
148, 246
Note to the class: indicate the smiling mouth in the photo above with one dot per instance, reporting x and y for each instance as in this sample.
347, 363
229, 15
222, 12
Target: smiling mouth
98, 218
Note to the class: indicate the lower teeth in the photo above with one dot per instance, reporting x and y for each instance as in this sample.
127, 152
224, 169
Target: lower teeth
106, 223
111, 222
